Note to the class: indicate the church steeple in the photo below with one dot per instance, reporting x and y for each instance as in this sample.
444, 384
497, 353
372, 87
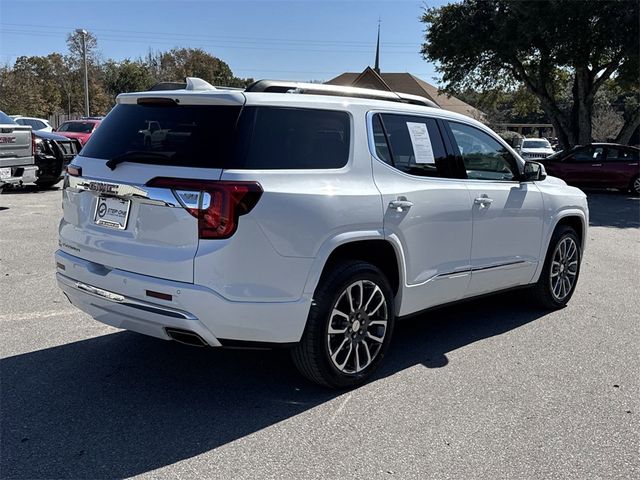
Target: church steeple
377, 63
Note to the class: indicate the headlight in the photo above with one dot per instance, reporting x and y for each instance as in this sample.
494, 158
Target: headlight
41, 148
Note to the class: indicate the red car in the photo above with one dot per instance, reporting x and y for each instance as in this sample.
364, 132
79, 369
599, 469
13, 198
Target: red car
598, 165
80, 129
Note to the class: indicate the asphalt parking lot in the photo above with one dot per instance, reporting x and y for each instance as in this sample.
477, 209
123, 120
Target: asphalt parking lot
488, 389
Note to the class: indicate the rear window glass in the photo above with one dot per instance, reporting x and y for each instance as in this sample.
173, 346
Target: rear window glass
293, 138
189, 135
214, 137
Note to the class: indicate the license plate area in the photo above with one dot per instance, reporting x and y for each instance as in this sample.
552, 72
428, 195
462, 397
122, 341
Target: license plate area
112, 212
5, 173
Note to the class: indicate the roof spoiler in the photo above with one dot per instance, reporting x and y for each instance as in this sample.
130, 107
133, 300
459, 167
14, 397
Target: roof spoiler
191, 83
277, 86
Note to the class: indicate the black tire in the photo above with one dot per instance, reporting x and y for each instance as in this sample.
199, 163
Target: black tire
543, 293
312, 355
634, 186
46, 184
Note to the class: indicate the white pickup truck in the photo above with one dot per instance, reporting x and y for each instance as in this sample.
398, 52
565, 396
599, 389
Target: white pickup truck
17, 164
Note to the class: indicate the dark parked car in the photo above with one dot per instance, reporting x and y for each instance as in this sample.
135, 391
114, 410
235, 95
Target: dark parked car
598, 165
53, 153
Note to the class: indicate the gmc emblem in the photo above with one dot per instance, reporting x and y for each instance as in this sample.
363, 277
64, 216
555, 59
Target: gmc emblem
7, 139
103, 187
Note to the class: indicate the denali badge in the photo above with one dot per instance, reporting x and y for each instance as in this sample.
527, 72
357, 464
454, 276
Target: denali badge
103, 187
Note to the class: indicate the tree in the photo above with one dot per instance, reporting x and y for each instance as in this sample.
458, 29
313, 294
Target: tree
178, 63
31, 87
99, 101
548, 46
126, 76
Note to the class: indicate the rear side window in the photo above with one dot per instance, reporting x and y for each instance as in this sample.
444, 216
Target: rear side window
293, 138
621, 155
412, 144
189, 135
35, 124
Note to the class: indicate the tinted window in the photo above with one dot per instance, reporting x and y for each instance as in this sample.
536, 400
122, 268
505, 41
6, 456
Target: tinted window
380, 141
589, 154
293, 138
35, 124
621, 155
189, 135
77, 127
484, 157
415, 145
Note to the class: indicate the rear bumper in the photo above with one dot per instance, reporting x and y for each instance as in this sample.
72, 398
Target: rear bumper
20, 175
119, 298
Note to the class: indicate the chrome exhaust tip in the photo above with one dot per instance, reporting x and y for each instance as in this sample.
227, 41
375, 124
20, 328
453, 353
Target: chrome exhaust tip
186, 337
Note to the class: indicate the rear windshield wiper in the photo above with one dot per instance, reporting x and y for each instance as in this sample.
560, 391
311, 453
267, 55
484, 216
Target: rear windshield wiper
137, 155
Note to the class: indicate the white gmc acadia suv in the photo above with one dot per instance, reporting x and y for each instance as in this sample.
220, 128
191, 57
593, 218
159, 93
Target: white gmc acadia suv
305, 216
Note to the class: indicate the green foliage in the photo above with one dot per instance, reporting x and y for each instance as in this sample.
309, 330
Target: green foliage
562, 51
126, 76
506, 106
46, 85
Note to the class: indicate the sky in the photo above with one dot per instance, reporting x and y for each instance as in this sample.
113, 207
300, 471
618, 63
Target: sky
293, 40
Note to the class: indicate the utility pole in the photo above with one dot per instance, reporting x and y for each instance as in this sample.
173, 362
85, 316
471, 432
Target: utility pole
86, 71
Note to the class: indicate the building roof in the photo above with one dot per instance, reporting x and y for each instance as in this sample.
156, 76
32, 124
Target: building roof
405, 83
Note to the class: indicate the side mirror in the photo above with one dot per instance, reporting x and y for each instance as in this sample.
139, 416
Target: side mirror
534, 172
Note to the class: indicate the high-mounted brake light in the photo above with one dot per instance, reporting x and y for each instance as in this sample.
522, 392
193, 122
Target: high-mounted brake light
216, 204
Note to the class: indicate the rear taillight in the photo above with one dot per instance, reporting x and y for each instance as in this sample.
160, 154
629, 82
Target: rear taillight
216, 204
33, 144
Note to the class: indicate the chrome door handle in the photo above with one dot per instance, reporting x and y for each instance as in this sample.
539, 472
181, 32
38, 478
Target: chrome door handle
596, 165
483, 201
401, 204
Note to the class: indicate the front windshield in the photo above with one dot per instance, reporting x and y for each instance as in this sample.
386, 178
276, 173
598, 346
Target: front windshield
76, 127
536, 144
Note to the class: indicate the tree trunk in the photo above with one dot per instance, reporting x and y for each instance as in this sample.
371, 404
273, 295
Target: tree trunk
566, 138
583, 105
628, 128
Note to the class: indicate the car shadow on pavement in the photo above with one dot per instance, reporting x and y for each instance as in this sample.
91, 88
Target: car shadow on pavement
123, 404
613, 209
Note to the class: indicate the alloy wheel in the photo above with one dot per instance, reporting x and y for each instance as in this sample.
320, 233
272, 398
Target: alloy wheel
564, 268
636, 185
357, 326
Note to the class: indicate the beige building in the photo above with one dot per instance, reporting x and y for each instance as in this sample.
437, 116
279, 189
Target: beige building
404, 83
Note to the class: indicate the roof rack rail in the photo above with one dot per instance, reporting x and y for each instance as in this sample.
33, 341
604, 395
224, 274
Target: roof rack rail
277, 86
